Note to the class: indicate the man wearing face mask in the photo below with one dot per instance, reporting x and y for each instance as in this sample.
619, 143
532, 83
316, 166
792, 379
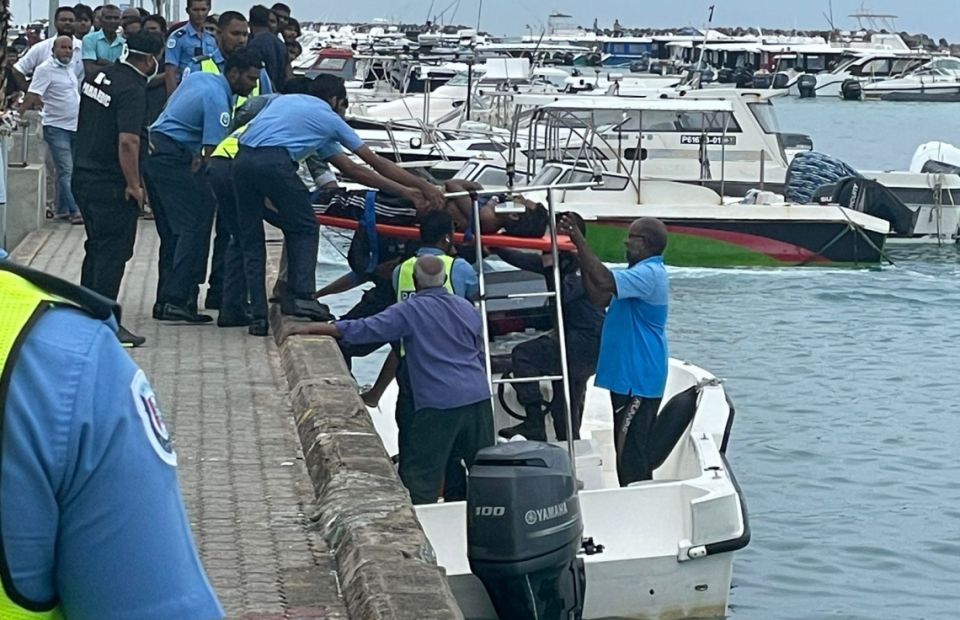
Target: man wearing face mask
64, 22
106, 177
54, 88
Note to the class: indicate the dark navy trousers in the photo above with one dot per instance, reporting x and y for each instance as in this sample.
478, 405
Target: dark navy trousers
269, 173
183, 208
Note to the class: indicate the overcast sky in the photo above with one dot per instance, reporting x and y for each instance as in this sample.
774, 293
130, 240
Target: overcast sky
939, 18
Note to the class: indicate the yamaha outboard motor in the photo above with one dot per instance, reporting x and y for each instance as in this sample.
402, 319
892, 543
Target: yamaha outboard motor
780, 80
851, 90
524, 530
807, 85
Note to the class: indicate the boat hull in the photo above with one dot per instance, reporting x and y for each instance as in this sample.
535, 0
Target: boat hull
744, 243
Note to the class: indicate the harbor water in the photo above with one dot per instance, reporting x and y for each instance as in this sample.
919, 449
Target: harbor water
847, 395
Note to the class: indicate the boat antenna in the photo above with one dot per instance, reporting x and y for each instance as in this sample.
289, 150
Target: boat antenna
479, 11
703, 48
829, 17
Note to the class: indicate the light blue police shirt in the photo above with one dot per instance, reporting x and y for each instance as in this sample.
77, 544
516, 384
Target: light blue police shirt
633, 344
302, 124
266, 88
198, 114
91, 510
463, 278
183, 45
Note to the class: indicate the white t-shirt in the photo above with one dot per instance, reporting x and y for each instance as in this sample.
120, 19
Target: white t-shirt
57, 87
40, 52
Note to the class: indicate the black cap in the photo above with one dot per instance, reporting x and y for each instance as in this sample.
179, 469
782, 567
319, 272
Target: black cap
145, 42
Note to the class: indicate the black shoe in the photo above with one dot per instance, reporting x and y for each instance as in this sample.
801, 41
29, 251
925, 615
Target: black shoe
171, 312
258, 327
233, 319
531, 432
157, 310
129, 339
306, 308
212, 301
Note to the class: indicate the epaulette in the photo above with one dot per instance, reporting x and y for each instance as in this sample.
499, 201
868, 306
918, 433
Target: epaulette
94, 304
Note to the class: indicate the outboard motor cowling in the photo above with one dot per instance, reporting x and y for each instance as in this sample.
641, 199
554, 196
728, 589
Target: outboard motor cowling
524, 530
780, 81
762, 80
851, 90
807, 85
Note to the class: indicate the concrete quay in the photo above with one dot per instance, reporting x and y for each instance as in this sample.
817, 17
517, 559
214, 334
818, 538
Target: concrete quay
295, 506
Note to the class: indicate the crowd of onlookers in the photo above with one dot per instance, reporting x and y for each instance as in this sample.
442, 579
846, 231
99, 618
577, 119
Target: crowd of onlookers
94, 37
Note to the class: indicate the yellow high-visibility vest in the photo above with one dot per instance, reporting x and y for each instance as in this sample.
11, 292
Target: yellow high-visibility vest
20, 303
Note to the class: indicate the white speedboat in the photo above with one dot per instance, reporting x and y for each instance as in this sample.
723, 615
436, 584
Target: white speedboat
938, 79
667, 543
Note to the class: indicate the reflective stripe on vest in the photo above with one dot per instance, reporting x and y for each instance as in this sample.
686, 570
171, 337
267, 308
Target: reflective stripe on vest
207, 65
21, 304
229, 146
405, 284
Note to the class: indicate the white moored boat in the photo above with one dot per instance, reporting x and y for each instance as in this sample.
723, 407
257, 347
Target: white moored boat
667, 543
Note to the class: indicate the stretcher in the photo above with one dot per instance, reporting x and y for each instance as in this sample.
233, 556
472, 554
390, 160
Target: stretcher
496, 240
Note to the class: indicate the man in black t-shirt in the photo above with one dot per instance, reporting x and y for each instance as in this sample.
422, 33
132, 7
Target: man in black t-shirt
106, 173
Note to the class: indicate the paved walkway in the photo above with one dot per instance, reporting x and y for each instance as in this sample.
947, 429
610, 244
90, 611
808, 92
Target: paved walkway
247, 492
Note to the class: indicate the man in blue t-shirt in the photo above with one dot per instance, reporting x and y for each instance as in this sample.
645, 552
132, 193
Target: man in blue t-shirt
288, 131
633, 344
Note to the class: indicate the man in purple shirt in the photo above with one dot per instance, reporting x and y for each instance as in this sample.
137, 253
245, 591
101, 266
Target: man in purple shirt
442, 336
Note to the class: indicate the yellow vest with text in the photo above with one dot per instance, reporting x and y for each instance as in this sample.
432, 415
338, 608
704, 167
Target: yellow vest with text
405, 284
21, 302
207, 65
407, 288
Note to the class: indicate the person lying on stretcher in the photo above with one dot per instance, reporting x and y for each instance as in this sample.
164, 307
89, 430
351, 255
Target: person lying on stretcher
392, 209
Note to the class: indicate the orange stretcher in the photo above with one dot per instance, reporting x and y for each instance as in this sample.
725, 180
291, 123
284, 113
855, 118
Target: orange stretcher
491, 241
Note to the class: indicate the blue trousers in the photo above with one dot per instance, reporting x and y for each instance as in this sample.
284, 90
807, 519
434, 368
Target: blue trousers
60, 143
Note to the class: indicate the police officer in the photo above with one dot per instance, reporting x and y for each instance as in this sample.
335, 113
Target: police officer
266, 167
233, 306
106, 174
195, 120
188, 44
233, 36
234, 33
93, 520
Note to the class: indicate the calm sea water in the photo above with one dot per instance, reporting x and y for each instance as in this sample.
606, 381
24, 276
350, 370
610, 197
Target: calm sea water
847, 389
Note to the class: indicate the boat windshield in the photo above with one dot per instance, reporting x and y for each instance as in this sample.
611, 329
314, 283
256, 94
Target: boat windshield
546, 176
765, 115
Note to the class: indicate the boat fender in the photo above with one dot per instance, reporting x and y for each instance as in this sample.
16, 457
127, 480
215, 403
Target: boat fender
671, 424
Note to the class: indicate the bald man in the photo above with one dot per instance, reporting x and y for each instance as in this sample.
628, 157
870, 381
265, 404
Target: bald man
633, 344
443, 338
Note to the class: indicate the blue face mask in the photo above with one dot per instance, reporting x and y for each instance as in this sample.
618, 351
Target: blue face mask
62, 63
